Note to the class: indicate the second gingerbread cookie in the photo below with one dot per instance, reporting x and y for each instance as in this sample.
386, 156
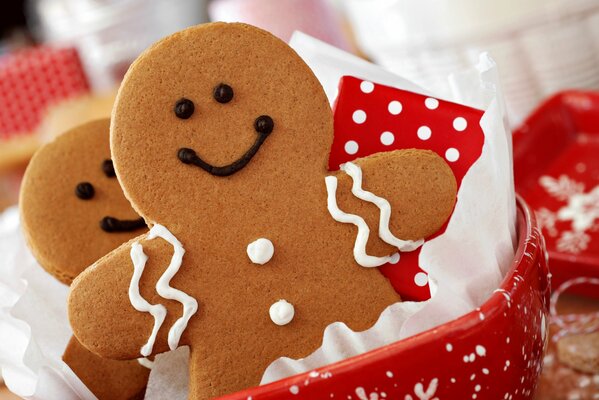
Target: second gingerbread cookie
73, 212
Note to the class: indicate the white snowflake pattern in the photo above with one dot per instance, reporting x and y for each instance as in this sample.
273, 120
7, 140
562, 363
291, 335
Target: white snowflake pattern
361, 393
573, 242
581, 208
561, 188
421, 394
547, 219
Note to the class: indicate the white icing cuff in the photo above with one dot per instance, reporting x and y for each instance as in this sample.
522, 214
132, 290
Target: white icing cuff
355, 172
360, 255
163, 288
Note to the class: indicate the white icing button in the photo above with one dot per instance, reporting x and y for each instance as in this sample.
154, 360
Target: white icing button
394, 258
351, 147
431, 103
359, 116
281, 312
366, 87
452, 154
459, 124
387, 138
395, 107
424, 133
260, 251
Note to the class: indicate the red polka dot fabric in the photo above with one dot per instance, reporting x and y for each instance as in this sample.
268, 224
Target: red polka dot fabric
31, 80
372, 118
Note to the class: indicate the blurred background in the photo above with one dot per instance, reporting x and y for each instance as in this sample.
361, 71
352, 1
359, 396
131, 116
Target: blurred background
61, 61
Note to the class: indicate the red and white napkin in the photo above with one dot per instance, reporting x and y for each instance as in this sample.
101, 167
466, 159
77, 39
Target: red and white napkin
31, 80
372, 118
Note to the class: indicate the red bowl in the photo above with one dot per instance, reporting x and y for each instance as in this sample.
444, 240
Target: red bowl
493, 352
559, 142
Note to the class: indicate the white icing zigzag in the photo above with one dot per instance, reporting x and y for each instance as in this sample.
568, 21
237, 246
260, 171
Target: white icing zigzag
190, 305
360, 255
355, 172
158, 311
383, 205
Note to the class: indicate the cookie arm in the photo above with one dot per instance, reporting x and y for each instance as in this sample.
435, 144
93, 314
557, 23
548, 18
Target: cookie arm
418, 185
100, 310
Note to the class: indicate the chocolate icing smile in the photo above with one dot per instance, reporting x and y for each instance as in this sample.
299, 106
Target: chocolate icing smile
263, 125
111, 224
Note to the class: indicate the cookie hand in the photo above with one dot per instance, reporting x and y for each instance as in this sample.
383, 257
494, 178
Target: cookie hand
404, 196
101, 312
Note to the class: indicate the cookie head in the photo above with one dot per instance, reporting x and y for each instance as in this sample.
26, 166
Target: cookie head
72, 207
216, 106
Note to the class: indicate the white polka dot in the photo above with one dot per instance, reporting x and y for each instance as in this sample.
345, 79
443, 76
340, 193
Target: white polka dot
294, 389
459, 124
387, 138
480, 350
424, 132
359, 116
366, 87
351, 147
451, 154
421, 279
431, 103
395, 107
448, 347
394, 258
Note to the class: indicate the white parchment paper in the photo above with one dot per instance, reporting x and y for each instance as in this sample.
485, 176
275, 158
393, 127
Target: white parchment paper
34, 328
33, 323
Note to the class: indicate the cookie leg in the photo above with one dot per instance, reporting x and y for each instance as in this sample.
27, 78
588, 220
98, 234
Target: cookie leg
107, 379
213, 375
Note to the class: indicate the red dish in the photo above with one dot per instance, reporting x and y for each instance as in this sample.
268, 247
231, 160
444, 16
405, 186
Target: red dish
492, 352
556, 162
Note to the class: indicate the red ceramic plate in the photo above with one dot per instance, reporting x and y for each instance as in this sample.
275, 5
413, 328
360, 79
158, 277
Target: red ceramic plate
493, 352
556, 161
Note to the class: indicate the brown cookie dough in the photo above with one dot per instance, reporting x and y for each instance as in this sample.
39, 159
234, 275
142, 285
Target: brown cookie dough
221, 134
108, 379
63, 229
68, 190
580, 352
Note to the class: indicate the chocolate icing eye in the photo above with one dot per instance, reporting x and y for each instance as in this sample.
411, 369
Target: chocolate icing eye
223, 93
108, 168
184, 108
264, 124
85, 191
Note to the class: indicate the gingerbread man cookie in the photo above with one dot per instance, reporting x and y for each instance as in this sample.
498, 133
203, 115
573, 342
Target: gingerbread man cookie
73, 212
220, 138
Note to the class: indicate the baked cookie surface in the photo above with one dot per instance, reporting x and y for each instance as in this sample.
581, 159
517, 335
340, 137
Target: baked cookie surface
73, 212
68, 192
220, 138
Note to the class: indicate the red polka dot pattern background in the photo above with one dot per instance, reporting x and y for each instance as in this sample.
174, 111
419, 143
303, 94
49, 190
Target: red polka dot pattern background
370, 118
33, 79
